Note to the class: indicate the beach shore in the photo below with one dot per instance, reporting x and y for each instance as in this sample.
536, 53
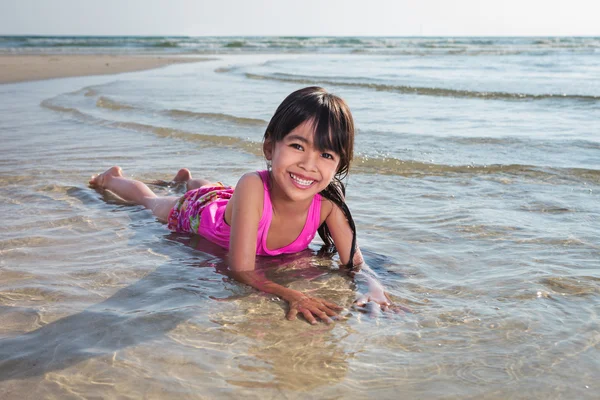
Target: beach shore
475, 200
21, 68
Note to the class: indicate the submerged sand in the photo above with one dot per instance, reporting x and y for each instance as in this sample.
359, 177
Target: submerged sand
20, 68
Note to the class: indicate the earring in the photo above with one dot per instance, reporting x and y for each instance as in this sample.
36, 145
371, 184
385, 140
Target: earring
269, 165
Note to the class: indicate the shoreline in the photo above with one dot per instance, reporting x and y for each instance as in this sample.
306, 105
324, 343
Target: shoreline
25, 68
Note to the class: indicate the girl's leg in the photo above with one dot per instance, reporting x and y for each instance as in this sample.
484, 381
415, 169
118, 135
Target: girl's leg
184, 175
134, 191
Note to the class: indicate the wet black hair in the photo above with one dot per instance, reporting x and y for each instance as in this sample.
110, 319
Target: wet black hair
333, 131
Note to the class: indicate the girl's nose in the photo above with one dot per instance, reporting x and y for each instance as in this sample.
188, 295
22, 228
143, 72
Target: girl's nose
309, 160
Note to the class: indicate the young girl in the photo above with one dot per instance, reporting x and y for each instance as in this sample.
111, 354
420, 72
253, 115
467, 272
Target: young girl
308, 146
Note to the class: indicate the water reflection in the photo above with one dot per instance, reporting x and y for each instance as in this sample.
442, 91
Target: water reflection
291, 355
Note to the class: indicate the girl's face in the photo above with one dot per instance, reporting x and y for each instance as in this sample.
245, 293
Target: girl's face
300, 170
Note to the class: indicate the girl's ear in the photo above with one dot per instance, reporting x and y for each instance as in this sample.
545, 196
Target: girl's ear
268, 149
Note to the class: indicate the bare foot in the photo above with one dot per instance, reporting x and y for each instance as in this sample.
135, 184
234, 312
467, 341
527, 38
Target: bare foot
183, 175
100, 181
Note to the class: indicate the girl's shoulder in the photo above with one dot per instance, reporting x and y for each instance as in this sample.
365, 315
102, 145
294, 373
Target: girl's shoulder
250, 187
248, 197
252, 179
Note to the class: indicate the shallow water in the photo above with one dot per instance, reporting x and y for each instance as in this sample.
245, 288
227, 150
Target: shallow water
479, 213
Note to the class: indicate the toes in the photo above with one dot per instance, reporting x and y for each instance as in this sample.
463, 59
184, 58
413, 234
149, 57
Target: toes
98, 180
114, 171
93, 180
183, 175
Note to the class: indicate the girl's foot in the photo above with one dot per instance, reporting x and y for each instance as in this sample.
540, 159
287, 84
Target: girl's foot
182, 176
100, 181
185, 176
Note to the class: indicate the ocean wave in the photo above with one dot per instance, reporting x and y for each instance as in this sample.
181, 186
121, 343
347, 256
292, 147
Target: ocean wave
215, 140
48, 103
572, 286
90, 93
424, 91
409, 168
317, 44
107, 103
223, 70
215, 116
362, 163
516, 141
235, 44
166, 44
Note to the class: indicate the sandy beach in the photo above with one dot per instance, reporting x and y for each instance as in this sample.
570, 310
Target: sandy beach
475, 190
20, 68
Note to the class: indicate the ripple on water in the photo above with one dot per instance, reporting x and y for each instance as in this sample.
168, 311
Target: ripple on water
7, 180
481, 368
66, 225
546, 208
15, 319
555, 241
41, 294
28, 242
489, 231
575, 286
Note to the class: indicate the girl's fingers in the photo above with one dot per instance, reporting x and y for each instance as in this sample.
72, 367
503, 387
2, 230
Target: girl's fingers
328, 311
385, 306
362, 301
323, 317
312, 308
309, 317
292, 314
319, 309
332, 306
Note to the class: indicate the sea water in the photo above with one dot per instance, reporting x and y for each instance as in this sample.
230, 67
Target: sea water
475, 189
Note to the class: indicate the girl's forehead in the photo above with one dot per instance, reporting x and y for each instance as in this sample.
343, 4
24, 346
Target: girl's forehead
310, 126
307, 129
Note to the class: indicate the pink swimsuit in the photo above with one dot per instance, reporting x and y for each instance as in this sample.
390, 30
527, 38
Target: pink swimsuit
202, 211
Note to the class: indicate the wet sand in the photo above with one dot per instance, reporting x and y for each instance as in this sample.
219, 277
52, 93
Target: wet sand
21, 68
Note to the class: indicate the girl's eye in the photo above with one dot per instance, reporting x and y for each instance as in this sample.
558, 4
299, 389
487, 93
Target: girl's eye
297, 146
327, 155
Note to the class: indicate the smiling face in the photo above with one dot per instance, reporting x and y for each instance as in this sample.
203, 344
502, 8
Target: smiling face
310, 140
299, 169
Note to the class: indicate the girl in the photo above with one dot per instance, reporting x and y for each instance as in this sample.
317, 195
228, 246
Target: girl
308, 146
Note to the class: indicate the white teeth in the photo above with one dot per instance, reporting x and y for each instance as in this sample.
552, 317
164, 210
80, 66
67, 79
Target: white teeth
301, 181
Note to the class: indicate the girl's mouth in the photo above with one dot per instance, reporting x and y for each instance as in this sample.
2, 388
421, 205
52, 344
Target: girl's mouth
300, 181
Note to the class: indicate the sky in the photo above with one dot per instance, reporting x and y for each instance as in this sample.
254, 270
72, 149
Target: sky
301, 17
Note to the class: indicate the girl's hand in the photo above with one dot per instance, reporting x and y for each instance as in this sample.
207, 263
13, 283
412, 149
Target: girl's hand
311, 308
382, 299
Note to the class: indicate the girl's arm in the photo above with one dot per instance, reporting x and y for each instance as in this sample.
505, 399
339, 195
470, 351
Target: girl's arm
243, 214
342, 238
